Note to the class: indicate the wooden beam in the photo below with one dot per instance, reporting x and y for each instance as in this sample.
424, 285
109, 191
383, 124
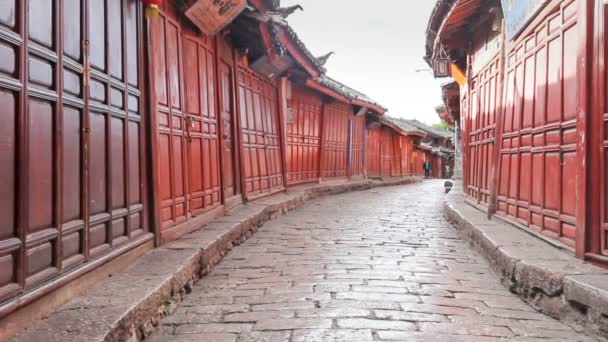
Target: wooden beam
361, 112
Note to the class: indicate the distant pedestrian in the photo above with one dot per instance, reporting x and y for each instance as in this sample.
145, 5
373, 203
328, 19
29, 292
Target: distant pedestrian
427, 168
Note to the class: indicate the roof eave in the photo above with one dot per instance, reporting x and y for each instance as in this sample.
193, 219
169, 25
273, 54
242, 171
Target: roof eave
298, 55
326, 90
417, 134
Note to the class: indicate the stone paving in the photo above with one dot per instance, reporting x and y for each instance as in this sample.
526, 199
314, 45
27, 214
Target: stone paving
378, 265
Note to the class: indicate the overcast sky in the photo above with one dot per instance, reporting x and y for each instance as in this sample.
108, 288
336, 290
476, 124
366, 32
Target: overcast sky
379, 45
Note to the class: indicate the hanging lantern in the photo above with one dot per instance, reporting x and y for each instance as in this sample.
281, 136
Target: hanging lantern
152, 8
441, 63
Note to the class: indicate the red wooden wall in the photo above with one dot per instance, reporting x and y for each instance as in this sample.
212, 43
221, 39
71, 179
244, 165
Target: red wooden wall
397, 162
538, 149
261, 145
403, 156
372, 159
334, 155
303, 136
185, 121
72, 176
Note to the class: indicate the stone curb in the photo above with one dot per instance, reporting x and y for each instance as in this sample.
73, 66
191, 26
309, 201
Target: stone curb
550, 280
129, 305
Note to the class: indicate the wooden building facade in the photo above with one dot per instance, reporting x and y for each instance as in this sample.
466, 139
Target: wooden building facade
531, 112
121, 131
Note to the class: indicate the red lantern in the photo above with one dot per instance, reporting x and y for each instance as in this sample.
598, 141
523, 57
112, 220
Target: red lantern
152, 8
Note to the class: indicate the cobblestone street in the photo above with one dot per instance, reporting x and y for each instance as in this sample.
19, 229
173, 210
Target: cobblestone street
365, 266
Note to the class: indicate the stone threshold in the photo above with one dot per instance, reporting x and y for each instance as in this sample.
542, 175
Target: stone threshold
128, 305
549, 279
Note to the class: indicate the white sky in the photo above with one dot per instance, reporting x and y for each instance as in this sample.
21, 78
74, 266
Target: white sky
379, 45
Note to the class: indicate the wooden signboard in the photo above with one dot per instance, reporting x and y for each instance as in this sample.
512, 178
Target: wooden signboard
210, 16
518, 13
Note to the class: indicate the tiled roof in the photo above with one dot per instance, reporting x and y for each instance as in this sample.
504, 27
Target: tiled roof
430, 129
283, 25
278, 24
409, 127
345, 90
403, 126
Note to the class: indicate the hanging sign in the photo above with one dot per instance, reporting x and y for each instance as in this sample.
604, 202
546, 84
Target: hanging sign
210, 16
518, 13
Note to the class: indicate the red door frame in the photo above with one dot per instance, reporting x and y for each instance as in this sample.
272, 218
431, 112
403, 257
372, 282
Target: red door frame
235, 131
592, 214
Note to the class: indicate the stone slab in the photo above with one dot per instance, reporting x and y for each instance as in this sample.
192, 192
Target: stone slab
128, 305
548, 278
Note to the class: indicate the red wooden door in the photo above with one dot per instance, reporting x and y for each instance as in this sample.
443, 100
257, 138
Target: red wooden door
597, 243
334, 156
419, 161
185, 123
397, 156
408, 151
228, 143
357, 145
482, 130
372, 159
538, 149
387, 154
437, 166
72, 171
303, 137
261, 146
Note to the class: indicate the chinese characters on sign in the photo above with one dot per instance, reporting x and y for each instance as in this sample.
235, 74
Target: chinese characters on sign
210, 16
518, 13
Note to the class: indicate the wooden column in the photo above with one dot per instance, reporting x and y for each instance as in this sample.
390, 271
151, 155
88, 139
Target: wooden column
321, 142
219, 116
283, 110
495, 170
590, 112
239, 128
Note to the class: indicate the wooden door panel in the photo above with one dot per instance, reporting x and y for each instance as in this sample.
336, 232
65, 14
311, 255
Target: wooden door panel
303, 138
335, 139
481, 129
72, 29
260, 134
386, 155
538, 145
41, 26
8, 162
97, 33
78, 148
357, 148
186, 127
373, 158
41, 157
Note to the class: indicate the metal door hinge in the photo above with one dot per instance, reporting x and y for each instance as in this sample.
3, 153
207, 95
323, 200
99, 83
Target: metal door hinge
86, 68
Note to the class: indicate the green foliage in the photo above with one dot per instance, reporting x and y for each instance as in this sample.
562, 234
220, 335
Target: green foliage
442, 125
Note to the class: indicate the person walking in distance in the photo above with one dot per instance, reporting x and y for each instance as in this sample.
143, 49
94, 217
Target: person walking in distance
427, 168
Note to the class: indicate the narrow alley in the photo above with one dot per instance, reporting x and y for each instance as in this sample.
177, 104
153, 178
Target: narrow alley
365, 266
